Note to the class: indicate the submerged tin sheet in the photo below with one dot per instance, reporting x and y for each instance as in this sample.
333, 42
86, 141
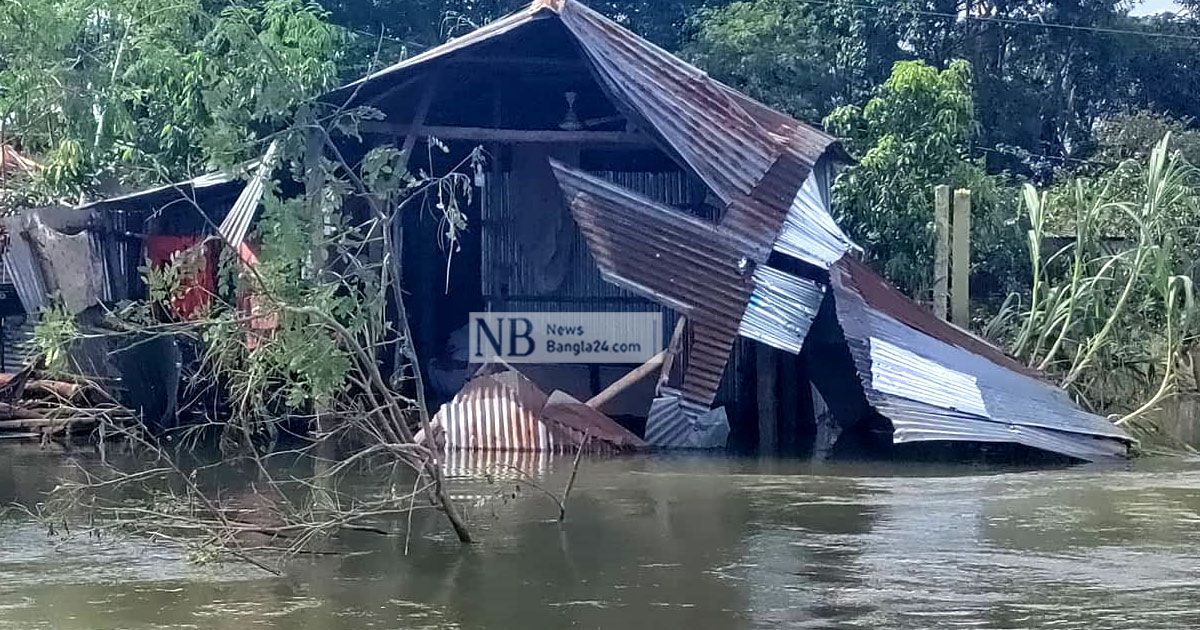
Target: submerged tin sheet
507, 412
677, 423
933, 389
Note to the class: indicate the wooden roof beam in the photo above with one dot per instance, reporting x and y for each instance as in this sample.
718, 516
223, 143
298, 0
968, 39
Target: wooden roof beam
540, 63
516, 136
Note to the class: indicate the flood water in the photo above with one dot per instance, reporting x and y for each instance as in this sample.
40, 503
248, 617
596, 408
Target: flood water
677, 542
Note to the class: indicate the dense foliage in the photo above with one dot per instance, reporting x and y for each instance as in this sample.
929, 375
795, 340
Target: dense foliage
796, 55
913, 135
116, 93
1112, 311
1045, 72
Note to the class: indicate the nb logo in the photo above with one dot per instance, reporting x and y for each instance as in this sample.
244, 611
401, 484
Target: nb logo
509, 337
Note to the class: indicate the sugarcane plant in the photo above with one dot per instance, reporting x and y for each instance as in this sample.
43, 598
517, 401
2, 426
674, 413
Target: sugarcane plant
1111, 314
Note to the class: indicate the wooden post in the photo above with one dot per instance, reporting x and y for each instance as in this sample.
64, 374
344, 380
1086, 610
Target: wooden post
788, 426
410, 139
941, 250
960, 276
768, 407
406, 348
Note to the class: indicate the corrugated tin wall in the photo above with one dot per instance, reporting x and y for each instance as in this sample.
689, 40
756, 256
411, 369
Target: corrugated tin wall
508, 284
507, 278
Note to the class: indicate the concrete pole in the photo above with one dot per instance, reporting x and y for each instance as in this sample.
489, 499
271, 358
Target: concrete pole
941, 250
960, 274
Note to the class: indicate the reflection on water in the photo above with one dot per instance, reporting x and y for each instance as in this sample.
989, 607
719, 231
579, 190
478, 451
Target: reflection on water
676, 542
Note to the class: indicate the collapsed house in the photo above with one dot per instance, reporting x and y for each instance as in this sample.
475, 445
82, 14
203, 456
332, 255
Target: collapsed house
622, 179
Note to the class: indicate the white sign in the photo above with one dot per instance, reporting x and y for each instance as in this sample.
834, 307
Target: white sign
565, 337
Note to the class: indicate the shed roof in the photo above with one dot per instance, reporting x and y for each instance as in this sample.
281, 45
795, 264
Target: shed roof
748, 154
757, 160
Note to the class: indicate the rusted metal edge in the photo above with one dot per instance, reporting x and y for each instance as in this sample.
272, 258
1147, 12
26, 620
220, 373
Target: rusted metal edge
504, 411
934, 389
672, 258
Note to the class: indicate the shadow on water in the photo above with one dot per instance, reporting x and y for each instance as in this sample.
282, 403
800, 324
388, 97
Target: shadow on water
674, 541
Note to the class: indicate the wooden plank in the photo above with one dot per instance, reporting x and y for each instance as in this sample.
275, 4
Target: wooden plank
540, 63
21, 436
426, 312
410, 139
531, 136
941, 250
674, 347
623, 384
960, 273
392, 91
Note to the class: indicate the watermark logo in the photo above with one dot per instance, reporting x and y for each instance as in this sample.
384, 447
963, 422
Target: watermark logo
565, 337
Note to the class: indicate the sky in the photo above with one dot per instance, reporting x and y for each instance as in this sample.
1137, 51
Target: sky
1151, 7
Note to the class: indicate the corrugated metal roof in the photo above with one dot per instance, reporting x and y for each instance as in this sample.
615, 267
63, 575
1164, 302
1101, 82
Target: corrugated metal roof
809, 233
237, 223
479, 36
781, 310
947, 389
753, 158
677, 423
181, 191
702, 122
22, 266
507, 412
883, 297
893, 368
680, 261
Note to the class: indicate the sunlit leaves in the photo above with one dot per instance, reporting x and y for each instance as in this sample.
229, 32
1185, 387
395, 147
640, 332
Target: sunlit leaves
913, 135
121, 93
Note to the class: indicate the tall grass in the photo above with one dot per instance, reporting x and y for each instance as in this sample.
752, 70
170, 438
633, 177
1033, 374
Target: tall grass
1111, 315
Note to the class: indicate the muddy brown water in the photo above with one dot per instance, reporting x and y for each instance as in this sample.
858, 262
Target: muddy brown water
677, 542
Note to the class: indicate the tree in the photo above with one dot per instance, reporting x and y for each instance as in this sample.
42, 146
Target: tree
411, 26
912, 136
800, 57
1045, 72
1134, 135
117, 93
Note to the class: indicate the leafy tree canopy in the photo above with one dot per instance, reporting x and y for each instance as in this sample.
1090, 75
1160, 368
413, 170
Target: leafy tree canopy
1045, 71
910, 137
115, 93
